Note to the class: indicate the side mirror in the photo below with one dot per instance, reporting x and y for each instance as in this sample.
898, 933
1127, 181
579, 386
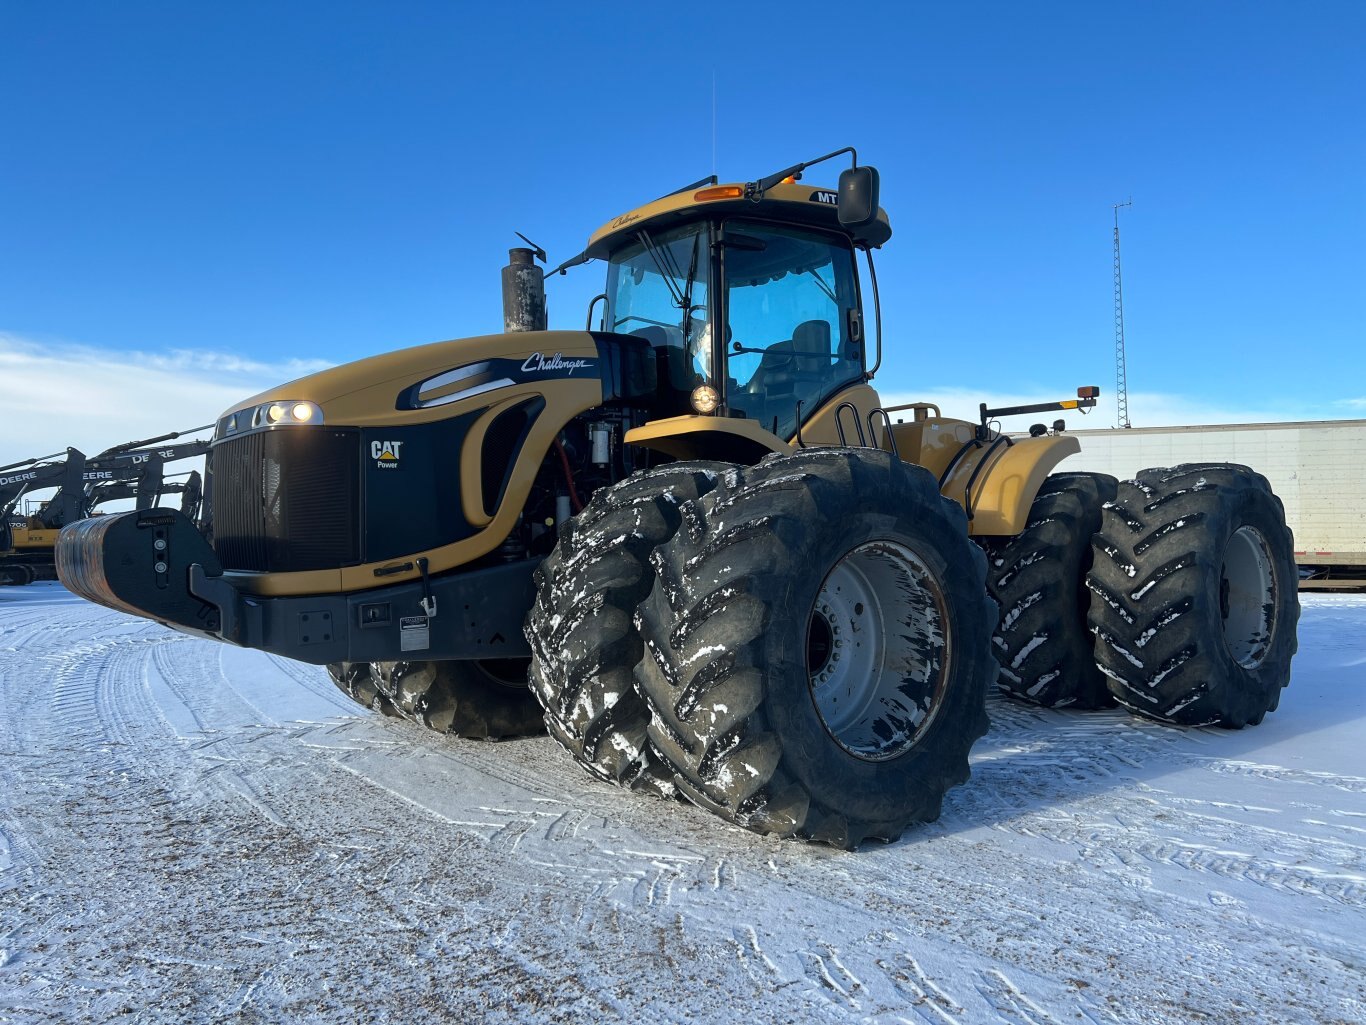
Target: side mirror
858, 195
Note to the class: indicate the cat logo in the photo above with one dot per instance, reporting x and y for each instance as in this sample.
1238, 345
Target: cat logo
385, 454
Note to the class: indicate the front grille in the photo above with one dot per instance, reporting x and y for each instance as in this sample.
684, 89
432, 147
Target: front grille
287, 500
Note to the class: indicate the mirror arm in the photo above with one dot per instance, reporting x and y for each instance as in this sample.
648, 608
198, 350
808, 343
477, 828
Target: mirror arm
877, 312
754, 190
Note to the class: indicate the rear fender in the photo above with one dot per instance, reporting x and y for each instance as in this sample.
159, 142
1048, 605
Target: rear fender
996, 481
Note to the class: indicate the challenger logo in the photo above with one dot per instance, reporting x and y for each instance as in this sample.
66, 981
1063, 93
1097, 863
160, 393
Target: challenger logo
537, 363
385, 454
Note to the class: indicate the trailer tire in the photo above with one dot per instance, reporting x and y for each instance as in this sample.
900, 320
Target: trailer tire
1196, 595
584, 643
485, 699
818, 647
1043, 642
356, 681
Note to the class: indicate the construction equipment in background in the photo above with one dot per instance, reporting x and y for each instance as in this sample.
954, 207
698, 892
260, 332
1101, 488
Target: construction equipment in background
190, 487
132, 470
22, 560
691, 542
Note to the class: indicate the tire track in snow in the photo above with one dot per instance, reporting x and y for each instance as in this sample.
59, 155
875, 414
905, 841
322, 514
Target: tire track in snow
604, 905
315, 680
1011, 1005
927, 999
1155, 834
1279, 774
1054, 795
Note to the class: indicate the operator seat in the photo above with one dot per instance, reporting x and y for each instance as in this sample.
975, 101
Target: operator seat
791, 369
673, 368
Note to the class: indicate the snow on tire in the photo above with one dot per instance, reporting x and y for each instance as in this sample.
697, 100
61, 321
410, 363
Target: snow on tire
1196, 595
486, 699
1043, 643
355, 680
818, 647
580, 629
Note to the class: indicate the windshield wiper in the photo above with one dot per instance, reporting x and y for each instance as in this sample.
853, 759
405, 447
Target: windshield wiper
687, 288
820, 281
662, 258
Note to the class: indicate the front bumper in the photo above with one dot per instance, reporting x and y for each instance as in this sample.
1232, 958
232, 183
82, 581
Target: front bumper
154, 563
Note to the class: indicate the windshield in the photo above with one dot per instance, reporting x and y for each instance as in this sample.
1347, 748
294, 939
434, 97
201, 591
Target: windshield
789, 294
657, 290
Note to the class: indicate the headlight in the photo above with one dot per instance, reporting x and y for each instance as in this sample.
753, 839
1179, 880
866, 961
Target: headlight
281, 413
705, 398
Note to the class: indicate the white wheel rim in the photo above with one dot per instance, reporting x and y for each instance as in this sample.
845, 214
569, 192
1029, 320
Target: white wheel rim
1247, 597
877, 650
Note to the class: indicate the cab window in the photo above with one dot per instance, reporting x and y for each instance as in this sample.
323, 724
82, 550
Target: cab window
657, 290
789, 293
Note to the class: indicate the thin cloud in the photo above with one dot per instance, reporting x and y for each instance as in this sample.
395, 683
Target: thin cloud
220, 362
55, 396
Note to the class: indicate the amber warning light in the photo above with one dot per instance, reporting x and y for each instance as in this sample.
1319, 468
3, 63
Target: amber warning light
719, 192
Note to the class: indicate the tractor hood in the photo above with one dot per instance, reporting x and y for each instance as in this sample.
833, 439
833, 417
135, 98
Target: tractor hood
422, 383
363, 474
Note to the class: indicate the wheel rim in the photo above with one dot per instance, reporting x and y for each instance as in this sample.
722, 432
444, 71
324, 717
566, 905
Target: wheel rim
1247, 597
877, 650
509, 672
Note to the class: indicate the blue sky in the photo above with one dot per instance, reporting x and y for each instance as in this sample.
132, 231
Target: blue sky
200, 200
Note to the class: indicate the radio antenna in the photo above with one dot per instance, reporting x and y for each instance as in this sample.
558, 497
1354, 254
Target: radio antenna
713, 122
1121, 374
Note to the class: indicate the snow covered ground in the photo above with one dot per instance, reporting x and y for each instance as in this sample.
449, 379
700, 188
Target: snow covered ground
190, 832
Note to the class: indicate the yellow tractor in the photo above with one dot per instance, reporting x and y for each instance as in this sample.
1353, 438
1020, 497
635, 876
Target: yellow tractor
691, 541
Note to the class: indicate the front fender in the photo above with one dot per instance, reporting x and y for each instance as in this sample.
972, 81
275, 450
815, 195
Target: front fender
708, 437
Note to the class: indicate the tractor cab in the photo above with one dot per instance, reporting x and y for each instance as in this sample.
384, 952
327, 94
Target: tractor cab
749, 294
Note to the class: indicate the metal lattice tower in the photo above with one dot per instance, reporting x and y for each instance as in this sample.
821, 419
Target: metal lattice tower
1121, 375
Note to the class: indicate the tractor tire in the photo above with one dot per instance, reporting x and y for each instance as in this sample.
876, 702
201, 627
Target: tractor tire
1043, 642
819, 647
486, 699
356, 681
584, 643
1196, 596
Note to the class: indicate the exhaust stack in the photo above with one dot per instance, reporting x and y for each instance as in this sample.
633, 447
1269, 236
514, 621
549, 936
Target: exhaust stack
523, 292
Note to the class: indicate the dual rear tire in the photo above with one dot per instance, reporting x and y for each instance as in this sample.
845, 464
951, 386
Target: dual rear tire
1196, 599
1174, 594
1038, 577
